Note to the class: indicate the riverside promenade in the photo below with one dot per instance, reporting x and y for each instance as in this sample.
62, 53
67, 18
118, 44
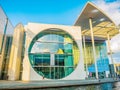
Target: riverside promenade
18, 85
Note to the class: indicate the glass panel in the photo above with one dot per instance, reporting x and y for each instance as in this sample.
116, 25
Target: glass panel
5, 27
101, 55
59, 59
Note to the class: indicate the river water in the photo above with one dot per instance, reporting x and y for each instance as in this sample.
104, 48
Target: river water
105, 86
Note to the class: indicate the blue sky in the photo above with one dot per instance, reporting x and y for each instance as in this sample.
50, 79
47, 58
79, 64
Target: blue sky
45, 11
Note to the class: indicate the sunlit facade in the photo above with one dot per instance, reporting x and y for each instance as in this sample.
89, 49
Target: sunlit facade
97, 30
6, 34
54, 54
50, 52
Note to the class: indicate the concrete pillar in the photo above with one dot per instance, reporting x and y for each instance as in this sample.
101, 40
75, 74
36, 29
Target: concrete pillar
84, 45
112, 67
16, 53
93, 46
108, 38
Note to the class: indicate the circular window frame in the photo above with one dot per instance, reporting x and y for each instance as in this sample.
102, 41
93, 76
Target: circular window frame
38, 36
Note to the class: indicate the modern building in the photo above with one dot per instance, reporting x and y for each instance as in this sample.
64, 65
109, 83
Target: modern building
47, 51
115, 47
6, 34
97, 29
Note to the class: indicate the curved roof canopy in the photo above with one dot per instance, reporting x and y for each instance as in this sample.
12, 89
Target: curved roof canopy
102, 24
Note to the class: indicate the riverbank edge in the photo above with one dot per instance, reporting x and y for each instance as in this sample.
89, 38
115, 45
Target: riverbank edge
5, 85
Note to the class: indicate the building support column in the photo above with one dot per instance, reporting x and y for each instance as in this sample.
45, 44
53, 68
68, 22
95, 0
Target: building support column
108, 37
112, 68
16, 52
84, 45
93, 46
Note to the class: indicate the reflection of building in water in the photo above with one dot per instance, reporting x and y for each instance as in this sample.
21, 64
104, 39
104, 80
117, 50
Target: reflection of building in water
63, 52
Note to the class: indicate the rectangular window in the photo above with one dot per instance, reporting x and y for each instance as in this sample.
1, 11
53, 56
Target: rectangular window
42, 59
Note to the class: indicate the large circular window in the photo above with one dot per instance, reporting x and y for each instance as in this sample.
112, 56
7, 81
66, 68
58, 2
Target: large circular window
53, 54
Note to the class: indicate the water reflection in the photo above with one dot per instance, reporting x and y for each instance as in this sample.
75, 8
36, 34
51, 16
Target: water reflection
105, 86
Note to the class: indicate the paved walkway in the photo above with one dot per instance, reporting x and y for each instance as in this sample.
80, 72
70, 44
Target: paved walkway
48, 83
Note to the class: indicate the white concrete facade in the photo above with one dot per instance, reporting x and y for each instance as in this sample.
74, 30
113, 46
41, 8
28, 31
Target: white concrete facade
32, 29
16, 53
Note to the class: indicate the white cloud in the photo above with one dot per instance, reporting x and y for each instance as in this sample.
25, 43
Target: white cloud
112, 9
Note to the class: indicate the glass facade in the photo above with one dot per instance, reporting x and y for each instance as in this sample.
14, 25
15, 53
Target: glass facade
115, 47
53, 54
6, 34
6, 57
2, 26
5, 28
101, 57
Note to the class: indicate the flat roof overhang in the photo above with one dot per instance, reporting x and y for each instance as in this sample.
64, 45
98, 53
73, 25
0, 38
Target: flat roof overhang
102, 24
